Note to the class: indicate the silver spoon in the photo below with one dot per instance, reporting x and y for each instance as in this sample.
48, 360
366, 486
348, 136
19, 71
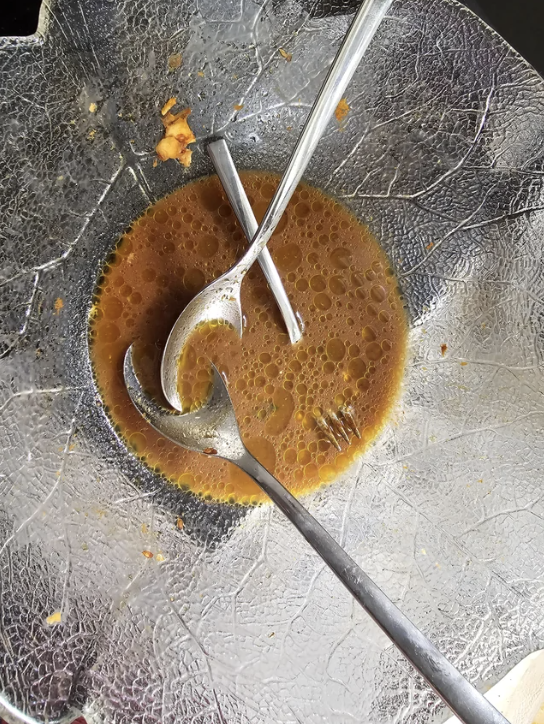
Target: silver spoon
220, 300
213, 430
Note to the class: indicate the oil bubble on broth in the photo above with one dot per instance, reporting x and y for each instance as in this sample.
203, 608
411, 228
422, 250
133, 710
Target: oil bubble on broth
353, 348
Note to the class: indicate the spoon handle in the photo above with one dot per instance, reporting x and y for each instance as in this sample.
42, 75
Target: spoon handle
354, 45
226, 170
469, 705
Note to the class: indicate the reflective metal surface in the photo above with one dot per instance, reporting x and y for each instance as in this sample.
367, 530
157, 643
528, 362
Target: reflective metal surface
213, 430
441, 154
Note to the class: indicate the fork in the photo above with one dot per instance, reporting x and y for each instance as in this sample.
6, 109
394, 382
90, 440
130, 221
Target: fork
337, 426
213, 431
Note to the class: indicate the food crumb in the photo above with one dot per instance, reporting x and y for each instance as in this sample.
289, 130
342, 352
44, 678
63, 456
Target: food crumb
169, 103
284, 54
179, 524
443, 349
177, 135
174, 61
92, 108
145, 529
159, 557
200, 73
430, 246
54, 618
272, 633
147, 554
91, 134
59, 304
342, 110
464, 364
238, 106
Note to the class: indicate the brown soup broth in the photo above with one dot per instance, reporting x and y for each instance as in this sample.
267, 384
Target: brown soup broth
337, 277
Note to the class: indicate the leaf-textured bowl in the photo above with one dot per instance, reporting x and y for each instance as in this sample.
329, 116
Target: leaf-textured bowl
236, 621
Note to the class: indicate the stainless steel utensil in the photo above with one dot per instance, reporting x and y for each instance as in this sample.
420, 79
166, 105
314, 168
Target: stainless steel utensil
338, 426
228, 175
221, 298
213, 430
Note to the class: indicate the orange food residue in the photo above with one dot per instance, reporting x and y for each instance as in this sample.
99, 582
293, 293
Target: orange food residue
147, 554
59, 304
174, 61
169, 104
444, 349
177, 135
284, 54
342, 110
352, 353
238, 106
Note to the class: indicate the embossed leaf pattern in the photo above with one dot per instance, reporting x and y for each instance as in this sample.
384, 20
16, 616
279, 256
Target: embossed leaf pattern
441, 154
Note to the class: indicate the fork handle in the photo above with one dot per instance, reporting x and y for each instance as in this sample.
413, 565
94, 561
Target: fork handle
469, 705
228, 175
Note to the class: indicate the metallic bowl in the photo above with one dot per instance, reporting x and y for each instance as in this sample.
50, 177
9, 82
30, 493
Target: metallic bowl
442, 155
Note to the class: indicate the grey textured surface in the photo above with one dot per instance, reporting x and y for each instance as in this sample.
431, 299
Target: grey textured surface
442, 154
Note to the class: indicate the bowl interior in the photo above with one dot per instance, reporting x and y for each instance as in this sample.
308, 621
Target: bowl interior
441, 155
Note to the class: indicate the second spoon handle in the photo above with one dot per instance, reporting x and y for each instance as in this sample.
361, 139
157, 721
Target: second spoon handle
226, 170
468, 704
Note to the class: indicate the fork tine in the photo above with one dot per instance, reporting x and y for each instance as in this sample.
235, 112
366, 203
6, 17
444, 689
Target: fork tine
346, 414
326, 428
337, 426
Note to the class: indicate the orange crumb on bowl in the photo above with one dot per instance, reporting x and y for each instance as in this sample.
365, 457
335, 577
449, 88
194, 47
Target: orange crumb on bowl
179, 524
59, 304
443, 349
168, 148
284, 54
54, 618
169, 103
174, 61
185, 157
147, 554
430, 246
342, 110
177, 135
238, 106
